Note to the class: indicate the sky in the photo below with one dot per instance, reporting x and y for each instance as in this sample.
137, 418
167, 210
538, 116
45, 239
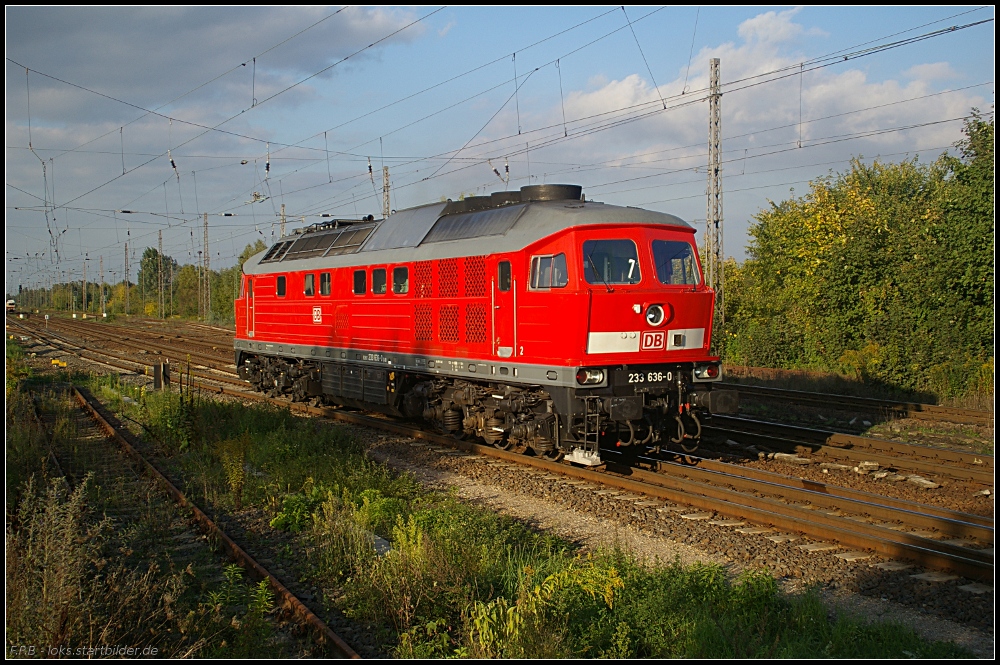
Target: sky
174, 112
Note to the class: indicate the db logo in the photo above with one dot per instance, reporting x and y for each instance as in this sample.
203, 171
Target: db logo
653, 340
317, 315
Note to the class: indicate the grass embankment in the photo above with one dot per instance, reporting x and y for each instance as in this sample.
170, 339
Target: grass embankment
461, 581
92, 567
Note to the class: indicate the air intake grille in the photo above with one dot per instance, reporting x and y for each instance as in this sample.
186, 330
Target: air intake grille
449, 323
423, 285
475, 324
475, 276
423, 324
448, 278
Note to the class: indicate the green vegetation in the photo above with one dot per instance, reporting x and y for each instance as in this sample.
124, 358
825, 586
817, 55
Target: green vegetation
460, 581
182, 285
77, 579
884, 273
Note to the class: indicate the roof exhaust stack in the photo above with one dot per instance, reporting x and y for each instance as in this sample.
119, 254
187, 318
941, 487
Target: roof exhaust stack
551, 193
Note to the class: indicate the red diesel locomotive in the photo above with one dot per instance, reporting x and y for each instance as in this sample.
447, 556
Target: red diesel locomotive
532, 319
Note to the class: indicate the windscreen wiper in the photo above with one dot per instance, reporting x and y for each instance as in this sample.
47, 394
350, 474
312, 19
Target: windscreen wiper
590, 257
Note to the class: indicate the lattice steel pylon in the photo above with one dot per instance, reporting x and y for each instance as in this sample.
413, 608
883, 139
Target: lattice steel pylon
385, 192
159, 272
208, 275
713, 214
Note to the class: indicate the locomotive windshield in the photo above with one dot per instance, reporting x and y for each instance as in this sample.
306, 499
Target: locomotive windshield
675, 262
611, 262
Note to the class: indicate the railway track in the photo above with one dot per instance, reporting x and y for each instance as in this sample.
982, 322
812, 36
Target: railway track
177, 521
916, 410
830, 516
213, 349
834, 447
850, 449
141, 342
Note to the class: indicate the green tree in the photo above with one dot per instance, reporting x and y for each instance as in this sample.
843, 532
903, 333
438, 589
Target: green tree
884, 272
151, 270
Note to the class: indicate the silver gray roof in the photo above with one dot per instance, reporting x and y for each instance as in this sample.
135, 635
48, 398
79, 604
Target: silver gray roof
422, 233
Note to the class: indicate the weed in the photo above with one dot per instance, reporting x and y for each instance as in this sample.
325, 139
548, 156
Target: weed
63, 590
528, 628
462, 581
233, 453
297, 509
234, 618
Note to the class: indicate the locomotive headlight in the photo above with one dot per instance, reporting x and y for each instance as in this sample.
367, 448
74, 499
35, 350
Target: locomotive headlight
589, 377
655, 315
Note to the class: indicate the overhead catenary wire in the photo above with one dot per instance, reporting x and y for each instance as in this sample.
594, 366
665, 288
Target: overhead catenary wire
646, 62
691, 51
449, 158
219, 125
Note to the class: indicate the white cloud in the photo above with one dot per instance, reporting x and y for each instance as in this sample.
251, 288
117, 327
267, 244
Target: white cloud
771, 27
761, 127
932, 71
446, 29
197, 46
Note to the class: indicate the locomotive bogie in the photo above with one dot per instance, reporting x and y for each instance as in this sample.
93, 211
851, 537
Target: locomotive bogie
584, 325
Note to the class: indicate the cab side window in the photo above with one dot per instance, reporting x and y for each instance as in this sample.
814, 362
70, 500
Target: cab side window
281, 286
378, 281
549, 272
360, 282
400, 279
324, 284
503, 275
310, 285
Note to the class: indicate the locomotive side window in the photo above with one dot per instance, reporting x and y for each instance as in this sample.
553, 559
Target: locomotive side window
400, 279
548, 272
503, 275
378, 280
360, 282
281, 286
310, 286
249, 288
611, 262
675, 262
324, 284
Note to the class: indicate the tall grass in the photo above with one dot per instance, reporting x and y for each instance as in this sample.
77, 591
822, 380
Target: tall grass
463, 581
62, 587
75, 580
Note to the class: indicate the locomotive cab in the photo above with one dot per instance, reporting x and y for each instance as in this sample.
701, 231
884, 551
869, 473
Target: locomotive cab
632, 299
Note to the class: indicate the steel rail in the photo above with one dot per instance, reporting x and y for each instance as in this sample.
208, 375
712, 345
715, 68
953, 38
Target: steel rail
929, 553
824, 489
94, 326
116, 362
972, 564
322, 633
914, 410
205, 359
935, 461
821, 495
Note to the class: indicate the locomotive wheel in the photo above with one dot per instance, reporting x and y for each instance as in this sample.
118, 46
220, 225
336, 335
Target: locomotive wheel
503, 444
552, 455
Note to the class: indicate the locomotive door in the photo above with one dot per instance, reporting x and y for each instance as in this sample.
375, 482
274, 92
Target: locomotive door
504, 316
249, 307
